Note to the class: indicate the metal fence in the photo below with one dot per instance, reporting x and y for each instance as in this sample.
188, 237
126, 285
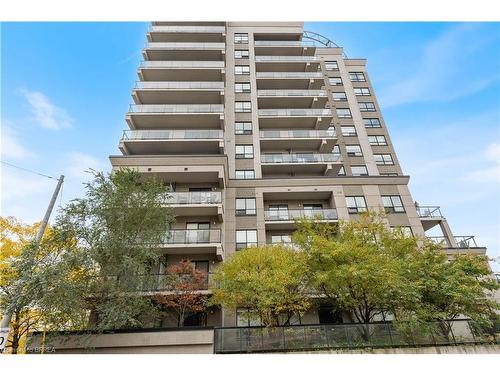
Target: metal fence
345, 336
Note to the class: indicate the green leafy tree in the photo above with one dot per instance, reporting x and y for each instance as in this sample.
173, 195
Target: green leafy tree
270, 281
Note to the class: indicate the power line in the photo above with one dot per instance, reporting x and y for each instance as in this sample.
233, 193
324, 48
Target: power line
27, 170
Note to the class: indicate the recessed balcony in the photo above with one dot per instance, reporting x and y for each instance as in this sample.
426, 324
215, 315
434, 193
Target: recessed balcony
186, 33
299, 140
162, 116
285, 219
287, 63
196, 203
290, 80
300, 164
178, 92
316, 118
172, 142
292, 98
181, 70
193, 241
185, 51
284, 48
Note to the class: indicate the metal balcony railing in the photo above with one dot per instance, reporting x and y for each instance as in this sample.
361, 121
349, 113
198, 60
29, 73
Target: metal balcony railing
193, 236
291, 93
159, 282
284, 43
185, 45
463, 242
279, 134
172, 134
307, 112
299, 158
286, 58
188, 29
182, 64
179, 85
300, 75
346, 336
194, 197
176, 108
429, 211
289, 215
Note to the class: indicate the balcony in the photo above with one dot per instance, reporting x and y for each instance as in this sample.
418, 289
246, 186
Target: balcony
193, 241
196, 203
459, 245
316, 118
300, 164
298, 80
151, 116
299, 140
178, 92
287, 63
292, 99
184, 51
284, 48
285, 219
186, 33
430, 216
160, 283
181, 70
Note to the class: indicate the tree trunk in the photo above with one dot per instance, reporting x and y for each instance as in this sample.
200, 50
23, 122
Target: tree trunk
15, 333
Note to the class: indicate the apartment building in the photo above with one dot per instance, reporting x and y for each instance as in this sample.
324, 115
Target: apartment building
255, 124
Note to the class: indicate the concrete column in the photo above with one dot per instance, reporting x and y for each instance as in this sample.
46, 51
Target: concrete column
339, 202
445, 228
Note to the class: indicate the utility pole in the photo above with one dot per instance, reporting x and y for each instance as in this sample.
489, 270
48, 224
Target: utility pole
4, 325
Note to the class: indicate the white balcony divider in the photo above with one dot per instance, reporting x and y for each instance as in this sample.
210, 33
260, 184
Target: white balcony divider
194, 197
299, 158
301, 75
182, 64
179, 85
193, 236
291, 93
172, 134
288, 215
176, 108
278, 134
295, 112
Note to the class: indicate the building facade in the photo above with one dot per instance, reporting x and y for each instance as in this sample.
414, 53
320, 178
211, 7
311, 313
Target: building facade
255, 124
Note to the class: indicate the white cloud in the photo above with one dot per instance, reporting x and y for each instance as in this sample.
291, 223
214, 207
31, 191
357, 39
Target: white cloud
47, 114
80, 163
11, 146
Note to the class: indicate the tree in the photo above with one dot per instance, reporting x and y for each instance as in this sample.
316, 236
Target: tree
270, 281
183, 283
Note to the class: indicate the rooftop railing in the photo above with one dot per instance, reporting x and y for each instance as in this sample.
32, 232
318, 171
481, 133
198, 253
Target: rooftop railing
176, 108
182, 64
188, 29
284, 43
172, 134
278, 134
194, 197
464, 242
193, 236
295, 112
286, 58
298, 158
429, 211
179, 85
345, 336
291, 93
300, 75
289, 215
186, 45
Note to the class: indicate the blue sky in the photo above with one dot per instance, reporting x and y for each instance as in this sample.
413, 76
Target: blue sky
65, 88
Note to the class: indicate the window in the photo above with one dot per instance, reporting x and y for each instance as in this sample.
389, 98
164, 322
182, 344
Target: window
246, 238
245, 206
241, 54
244, 318
331, 65
392, 203
240, 38
357, 77
353, 150
371, 122
242, 70
405, 230
362, 91
355, 204
348, 131
359, 170
243, 127
377, 140
341, 171
389, 174
383, 159
196, 233
244, 151
367, 107
335, 81
245, 174
278, 212
242, 87
281, 238
339, 96
336, 150
240, 107
344, 112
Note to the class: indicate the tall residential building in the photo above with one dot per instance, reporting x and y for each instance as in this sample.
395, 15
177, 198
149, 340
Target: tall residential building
255, 124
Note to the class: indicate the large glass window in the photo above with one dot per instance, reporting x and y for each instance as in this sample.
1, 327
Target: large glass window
383, 159
371, 123
331, 65
361, 91
348, 131
355, 204
240, 38
377, 140
240, 107
281, 238
359, 170
353, 150
339, 96
367, 107
244, 151
343, 112
278, 212
246, 238
240, 87
393, 204
241, 54
245, 319
245, 206
335, 81
357, 77
243, 127
242, 70
245, 174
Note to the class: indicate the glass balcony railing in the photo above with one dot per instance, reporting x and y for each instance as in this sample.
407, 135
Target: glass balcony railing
286, 58
289, 215
279, 134
291, 93
172, 134
194, 197
295, 112
159, 282
182, 64
176, 108
193, 236
300, 75
186, 46
429, 211
284, 43
188, 29
463, 242
179, 85
299, 158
